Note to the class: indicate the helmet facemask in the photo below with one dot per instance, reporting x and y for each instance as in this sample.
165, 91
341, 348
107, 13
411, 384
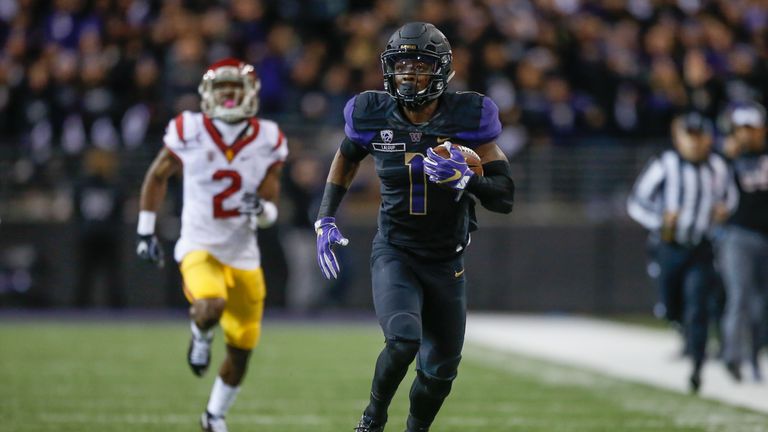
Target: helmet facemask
404, 70
230, 91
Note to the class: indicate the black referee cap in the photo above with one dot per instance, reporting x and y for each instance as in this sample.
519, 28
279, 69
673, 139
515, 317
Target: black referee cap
695, 122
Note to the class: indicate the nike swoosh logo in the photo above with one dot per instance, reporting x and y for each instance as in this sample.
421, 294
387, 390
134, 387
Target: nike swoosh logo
441, 140
456, 175
458, 273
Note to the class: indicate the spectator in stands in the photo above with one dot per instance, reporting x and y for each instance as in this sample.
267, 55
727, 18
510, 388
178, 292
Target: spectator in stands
613, 55
564, 72
704, 92
303, 182
98, 209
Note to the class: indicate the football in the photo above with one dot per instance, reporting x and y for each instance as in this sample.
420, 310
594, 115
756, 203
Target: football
473, 160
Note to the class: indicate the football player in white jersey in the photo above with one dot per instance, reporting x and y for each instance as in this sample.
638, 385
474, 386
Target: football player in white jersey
231, 163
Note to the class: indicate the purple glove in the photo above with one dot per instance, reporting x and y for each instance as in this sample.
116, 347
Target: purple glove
328, 234
452, 172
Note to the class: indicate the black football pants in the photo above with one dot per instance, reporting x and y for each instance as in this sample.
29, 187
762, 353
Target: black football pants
421, 307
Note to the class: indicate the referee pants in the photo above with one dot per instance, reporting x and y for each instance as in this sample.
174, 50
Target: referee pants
684, 283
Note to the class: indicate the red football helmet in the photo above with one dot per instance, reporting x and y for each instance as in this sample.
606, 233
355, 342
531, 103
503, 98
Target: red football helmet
230, 90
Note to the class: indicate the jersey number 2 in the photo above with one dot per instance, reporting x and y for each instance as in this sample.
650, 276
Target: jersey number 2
236, 182
418, 191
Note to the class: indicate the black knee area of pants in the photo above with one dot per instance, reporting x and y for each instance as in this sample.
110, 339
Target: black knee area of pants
402, 325
402, 352
432, 387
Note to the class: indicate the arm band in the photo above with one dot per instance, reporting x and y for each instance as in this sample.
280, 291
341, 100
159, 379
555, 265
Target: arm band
146, 222
495, 189
268, 215
332, 197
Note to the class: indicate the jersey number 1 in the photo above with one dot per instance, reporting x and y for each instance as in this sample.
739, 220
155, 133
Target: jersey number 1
418, 181
236, 182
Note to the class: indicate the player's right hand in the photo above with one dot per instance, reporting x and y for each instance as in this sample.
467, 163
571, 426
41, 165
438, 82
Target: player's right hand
328, 235
148, 248
452, 171
252, 207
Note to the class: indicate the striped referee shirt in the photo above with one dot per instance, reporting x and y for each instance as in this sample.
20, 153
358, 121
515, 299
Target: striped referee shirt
669, 183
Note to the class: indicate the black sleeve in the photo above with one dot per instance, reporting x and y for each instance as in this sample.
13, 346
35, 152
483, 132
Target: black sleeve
352, 151
332, 196
495, 189
333, 193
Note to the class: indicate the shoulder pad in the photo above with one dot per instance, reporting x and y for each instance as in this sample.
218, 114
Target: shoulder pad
272, 136
366, 113
181, 129
372, 110
474, 117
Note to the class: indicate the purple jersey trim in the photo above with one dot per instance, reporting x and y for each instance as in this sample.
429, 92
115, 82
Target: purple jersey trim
361, 138
489, 128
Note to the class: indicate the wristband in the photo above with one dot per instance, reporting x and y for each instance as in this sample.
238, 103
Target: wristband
146, 224
268, 214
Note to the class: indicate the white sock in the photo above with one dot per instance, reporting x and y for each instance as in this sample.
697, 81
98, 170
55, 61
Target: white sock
200, 334
222, 397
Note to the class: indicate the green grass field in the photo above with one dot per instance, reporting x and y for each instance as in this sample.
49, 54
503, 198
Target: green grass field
103, 376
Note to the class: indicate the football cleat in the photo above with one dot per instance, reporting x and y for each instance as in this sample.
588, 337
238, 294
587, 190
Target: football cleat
694, 382
209, 423
199, 354
367, 424
734, 370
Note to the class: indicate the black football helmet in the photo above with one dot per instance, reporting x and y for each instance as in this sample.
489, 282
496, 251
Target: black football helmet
425, 43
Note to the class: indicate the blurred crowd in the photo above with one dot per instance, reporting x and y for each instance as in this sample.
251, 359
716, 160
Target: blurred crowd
78, 76
110, 73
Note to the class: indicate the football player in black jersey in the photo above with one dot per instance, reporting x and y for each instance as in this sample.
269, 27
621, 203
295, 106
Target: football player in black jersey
426, 214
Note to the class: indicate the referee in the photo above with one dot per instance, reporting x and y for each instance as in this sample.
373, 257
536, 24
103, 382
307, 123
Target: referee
679, 196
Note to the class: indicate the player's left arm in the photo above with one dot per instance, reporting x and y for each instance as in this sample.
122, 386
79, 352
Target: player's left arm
268, 193
269, 189
495, 189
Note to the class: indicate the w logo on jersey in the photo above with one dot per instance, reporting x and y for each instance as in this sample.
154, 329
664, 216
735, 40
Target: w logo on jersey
415, 136
386, 136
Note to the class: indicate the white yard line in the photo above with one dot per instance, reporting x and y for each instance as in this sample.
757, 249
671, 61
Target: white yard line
619, 350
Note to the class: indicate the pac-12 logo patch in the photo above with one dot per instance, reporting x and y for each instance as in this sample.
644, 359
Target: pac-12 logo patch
387, 135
